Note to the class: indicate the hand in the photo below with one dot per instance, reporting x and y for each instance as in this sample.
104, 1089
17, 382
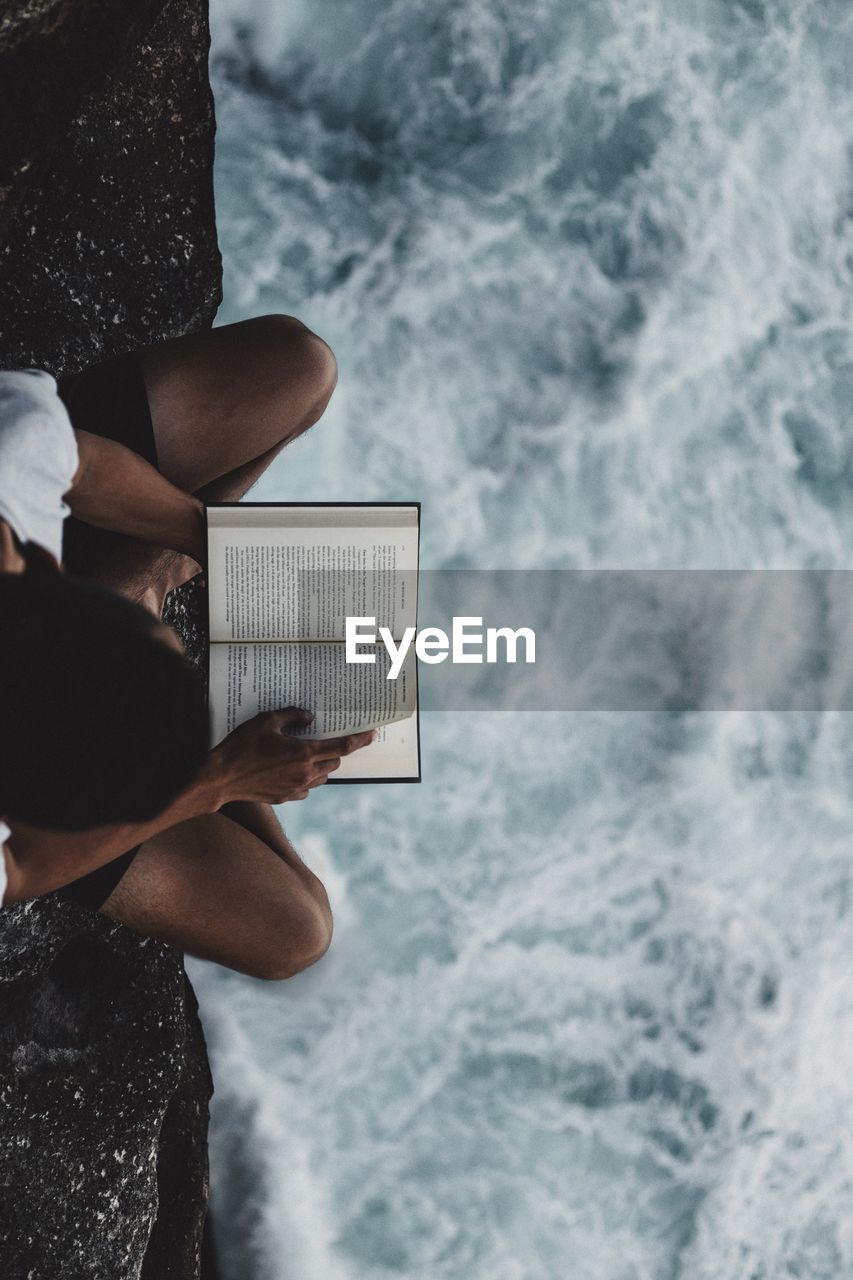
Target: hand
261, 762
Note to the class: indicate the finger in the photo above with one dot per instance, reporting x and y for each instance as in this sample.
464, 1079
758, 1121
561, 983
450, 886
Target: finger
321, 770
290, 718
343, 746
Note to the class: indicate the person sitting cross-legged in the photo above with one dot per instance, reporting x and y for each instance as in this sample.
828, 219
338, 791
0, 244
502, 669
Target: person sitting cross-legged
103, 1078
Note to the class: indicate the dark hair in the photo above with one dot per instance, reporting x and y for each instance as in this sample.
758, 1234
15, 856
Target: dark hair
100, 720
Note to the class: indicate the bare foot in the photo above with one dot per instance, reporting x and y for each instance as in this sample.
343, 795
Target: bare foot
170, 571
146, 575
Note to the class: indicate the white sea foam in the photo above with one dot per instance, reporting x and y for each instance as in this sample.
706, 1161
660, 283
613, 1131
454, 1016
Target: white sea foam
586, 269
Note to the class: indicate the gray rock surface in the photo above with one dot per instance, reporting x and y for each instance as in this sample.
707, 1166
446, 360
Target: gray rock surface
186, 610
107, 244
103, 1101
104, 1086
107, 231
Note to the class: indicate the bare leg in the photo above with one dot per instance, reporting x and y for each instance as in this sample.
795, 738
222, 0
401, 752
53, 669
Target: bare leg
228, 887
217, 890
223, 405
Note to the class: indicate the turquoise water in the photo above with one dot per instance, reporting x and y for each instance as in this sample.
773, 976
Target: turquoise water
587, 271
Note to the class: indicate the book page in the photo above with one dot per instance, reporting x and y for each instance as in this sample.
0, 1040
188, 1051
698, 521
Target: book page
394, 754
271, 578
246, 679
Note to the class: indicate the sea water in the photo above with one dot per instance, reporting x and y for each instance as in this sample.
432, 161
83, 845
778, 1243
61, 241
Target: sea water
586, 267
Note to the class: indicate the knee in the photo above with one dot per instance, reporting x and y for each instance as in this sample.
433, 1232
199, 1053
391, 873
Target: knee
305, 363
288, 947
318, 362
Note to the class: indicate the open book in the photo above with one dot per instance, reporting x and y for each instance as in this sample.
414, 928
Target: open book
282, 579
